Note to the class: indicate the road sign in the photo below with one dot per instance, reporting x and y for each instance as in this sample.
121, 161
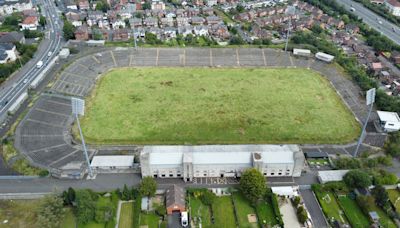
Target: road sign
78, 106
371, 96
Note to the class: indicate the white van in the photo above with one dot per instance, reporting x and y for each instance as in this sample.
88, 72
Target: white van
184, 219
39, 64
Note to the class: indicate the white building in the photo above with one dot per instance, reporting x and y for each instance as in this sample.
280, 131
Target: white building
7, 53
220, 160
324, 57
331, 175
389, 121
115, 163
393, 6
8, 7
301, 52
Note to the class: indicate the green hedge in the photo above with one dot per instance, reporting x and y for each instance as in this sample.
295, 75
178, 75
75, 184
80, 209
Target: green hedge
275, 207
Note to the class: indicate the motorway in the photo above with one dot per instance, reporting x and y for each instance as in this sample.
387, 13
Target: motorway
19, 83
372, 19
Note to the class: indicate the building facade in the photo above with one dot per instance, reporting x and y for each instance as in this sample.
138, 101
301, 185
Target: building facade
190, 162
393, 6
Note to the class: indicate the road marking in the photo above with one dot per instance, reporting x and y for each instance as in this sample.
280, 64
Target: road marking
80, 64
158, 53
113, 58
130, 60
263, 54
95, 59
51, 147
50, 112
76, 75
237, 57
41, 136
45, 123
211, 58
59, 103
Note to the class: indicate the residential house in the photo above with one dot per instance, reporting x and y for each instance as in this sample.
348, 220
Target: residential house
212, 20
135, 22
150, 22
75, 17
167, 22
127, 10
219, 31
169, 33
8, 7
377, 2
119, 23
82, 33
197, 20
395, 57
30, 12
200, 30
212, 2
29, 23
83, 5
121, 35
70, 4
157, 5
185, 30
352, 28
192, 12
376, 67
208, 11
393, 6
339, 24
182, 21
7, 53
12, 37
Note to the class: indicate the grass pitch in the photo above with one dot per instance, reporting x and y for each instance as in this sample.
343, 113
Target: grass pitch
216, 106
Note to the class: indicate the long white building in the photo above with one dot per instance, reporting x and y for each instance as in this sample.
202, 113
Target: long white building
188, 162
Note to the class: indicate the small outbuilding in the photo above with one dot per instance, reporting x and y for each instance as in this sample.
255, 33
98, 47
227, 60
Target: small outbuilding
331, 175
324, 57
389, 121
316, 154
301, 52
175, 199
112, 163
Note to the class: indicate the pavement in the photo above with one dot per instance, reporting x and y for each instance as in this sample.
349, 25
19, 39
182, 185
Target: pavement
372, 19
174, 220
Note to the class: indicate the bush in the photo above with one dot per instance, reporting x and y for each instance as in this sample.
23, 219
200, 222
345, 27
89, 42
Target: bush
161, 210
43, 173
85, 206
296, 201
383, 177
302, 214
253, 185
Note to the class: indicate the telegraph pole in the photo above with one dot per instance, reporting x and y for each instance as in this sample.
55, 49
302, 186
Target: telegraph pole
291, 10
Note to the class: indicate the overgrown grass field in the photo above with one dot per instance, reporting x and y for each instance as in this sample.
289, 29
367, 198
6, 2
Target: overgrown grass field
216, 106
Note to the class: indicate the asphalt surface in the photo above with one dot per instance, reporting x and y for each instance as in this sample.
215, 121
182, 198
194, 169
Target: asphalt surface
313, 207
373, 20
19, 82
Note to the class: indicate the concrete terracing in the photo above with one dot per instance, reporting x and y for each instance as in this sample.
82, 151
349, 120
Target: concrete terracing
44, 134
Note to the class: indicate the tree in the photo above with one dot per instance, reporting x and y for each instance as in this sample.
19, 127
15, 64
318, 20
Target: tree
236, 40
148, 186
207, 198
68, 30
302, 214
50, 212
85, 206
42, 21
126, 193
12, 20
253, 185
146, 6
381, 196
69, 196
102, 6
357, 179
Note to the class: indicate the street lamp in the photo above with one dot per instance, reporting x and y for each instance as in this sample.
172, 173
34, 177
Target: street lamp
291, 10
78, 108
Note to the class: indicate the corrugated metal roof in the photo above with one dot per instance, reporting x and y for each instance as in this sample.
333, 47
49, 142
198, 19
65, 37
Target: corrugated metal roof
117, 161
221, 154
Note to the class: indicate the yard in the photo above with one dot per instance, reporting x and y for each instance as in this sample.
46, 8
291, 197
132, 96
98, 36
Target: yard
243, 209
150, 219
353, 212
394, 196
19, 213
384, 218
223, 212
216, 106
330, 207
69, 219
265, 213
126, 216
199, 210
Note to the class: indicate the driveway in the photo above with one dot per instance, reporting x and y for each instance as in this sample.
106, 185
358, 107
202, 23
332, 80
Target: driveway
174, 220
313, 207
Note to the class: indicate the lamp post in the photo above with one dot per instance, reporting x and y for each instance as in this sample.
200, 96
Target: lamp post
78, 108
291, 10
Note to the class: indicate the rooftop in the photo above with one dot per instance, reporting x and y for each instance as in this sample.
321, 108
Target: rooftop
117, 160
388, 116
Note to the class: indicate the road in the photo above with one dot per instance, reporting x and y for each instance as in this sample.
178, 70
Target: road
19, 83
372, 19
